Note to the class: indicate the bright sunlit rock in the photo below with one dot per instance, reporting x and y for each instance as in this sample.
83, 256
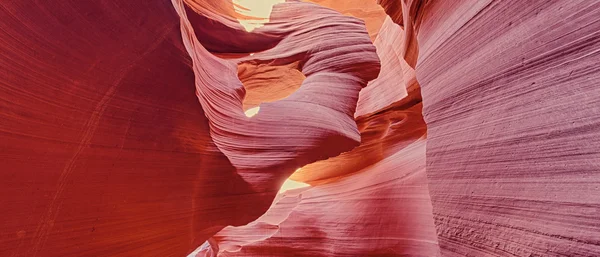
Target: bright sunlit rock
252, 111
292, 184
257, 12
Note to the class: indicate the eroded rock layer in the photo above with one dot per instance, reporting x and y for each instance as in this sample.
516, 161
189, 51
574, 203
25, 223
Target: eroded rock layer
123, 130
396, 76
510, 93
106, 149
103, 141
383, 179
352, 208
313, 123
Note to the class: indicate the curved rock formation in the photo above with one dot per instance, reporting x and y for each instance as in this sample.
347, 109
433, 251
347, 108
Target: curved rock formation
129, 166
150, 128
369, 11
268, 83
372, 201
509, 96
396, 77
313, 123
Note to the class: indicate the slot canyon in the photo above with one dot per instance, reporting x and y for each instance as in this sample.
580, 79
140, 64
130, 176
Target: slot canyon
265, 128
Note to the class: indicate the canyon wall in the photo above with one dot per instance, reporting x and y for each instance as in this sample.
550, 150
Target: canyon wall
371, 201
511, 96
419, 128
510, 100
117, 139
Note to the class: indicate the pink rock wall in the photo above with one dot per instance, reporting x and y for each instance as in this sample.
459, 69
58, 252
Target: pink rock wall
383, 179
396, 76
378, 207
285, 135
510, 97
369, 11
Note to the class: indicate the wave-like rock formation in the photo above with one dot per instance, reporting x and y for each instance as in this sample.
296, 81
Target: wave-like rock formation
352, 208
413, 127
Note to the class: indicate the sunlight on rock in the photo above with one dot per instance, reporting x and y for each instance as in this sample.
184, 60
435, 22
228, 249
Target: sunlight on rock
252, 111
203, 247
256, 12
292, 184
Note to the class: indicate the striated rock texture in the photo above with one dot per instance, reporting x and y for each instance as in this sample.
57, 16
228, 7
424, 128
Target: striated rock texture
313, 123
107, 150
444, 128
371, 201
104, 147
510, 172
378, 206
510, 96
369, 11
396, 76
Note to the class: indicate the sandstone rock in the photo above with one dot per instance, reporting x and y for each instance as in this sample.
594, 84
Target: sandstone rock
414, 128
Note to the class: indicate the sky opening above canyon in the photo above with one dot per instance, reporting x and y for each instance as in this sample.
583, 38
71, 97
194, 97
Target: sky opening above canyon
254, 13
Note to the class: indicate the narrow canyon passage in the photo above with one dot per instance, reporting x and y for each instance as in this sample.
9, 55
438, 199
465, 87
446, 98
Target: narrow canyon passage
299, 128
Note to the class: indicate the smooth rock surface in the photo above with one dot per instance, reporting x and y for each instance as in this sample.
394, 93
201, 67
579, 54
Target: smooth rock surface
105, 148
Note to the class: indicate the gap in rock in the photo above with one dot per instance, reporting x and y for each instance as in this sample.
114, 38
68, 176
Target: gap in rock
267, 83
254, 14
270, 83
216, 36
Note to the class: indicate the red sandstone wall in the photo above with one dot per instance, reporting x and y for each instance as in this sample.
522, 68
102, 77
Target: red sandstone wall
104, 146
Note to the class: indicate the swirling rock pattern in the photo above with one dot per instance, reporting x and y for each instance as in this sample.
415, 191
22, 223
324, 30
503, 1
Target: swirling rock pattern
123, 131
396, 77
353, 209
369, 11
106, 149
346, 189
315, 122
